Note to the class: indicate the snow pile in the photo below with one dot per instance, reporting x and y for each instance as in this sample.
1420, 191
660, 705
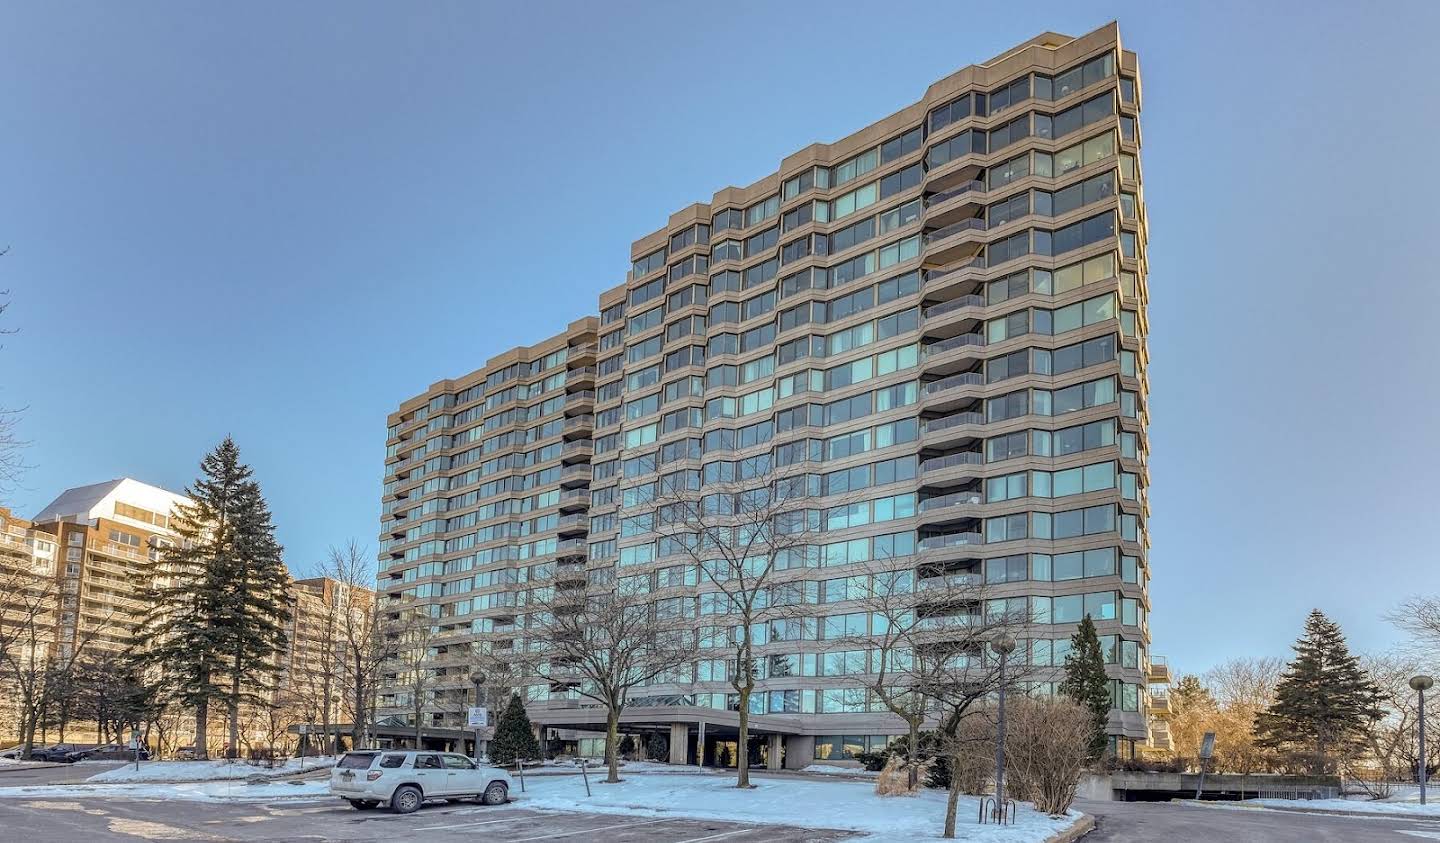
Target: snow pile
202, 771
833, 804
212, 791
835, 770
1356, 806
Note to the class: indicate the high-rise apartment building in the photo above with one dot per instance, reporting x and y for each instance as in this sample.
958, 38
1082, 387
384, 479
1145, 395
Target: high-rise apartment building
106, 533
942, 314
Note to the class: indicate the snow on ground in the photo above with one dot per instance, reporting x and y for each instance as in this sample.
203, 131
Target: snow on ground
1358, 806
184, 791
198, 771
836, 770
852, 806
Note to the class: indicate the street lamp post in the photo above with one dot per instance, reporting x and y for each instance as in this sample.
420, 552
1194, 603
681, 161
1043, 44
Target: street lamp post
1421, 684
1002, 646
481, 750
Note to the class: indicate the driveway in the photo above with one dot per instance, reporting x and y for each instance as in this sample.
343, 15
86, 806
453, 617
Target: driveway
1218, 821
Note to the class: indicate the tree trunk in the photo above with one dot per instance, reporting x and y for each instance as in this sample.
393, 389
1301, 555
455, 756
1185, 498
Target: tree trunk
612, 751
914, 755
202, 737
952, 799
742, 752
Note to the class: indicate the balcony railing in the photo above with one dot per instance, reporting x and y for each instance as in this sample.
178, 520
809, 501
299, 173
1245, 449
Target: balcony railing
577, 422
950, 581
954, 420
953, 343
954, 305
952, 499
973, 224
937, 276
954, 381
951, 460
957, 190
950, 540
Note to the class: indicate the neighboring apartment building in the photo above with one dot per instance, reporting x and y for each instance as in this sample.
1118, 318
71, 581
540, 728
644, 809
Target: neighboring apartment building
28, 593
325, 614
946, 310
106, 533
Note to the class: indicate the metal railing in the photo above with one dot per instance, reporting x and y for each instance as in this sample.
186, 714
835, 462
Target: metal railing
954, 420
950, 540
940, 275
954, 381
954, 305
972, 224
951, 460
965, 187
955, 342
952, 499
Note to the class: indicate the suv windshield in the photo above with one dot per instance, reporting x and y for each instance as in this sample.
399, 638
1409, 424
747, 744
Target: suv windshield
357, 760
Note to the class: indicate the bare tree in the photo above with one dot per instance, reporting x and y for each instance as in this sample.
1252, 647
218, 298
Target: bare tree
410, 635
1392, 741
12, 465
1419, 616
931, 628
360, 628
745, 527
1248, 682
603, 644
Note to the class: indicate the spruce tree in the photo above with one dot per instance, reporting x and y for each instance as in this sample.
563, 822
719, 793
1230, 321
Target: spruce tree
1323, 702
215, 604
1086, 683
514, 737
257, 603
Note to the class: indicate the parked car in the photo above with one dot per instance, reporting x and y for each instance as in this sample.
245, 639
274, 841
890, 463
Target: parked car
13, 752
404, 779
185, 753
107, 752
58, 752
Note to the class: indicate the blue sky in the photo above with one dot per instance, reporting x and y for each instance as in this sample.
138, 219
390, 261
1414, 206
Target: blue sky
278, 220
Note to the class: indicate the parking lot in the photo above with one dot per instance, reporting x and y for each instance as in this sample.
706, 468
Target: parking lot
64, 821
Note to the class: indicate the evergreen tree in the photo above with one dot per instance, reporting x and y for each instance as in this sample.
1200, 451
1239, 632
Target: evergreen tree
514, 737
657, 746
1189, 695
215, 605
1324, 701
627, 747
1086, 683
256, 602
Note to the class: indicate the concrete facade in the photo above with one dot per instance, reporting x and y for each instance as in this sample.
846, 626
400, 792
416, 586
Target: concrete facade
967, 277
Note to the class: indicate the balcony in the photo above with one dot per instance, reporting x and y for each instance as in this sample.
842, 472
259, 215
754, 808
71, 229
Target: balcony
577, 426
577, 451
575, 475
569, 547
957, 241
952, 203
580, 375
580, 403
1159, 670
574, 523
574, 499
577, 353
935, 311
952, 392
953, 499
949, 581
950, 540
951, 460
1160, 703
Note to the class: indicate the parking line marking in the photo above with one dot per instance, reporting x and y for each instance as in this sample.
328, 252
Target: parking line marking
719, 836
592, 830
467, 825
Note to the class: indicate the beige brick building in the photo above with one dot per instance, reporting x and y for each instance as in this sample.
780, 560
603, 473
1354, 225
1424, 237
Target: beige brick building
945, 309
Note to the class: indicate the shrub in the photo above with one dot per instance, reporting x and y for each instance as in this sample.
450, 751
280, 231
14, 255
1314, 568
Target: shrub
657, 746
1047, 742
627, 748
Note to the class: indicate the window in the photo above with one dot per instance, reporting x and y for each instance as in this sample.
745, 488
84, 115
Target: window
648, 264
899, 147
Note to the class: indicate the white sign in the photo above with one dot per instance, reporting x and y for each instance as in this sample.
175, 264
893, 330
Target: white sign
479, 717
303, 728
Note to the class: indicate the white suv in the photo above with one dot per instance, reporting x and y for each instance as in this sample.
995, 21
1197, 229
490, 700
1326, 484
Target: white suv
404, 779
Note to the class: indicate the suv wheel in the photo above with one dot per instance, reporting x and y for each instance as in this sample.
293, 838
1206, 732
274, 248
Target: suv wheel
406, 799
495, 794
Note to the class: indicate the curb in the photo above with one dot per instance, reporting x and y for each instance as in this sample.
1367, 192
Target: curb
1081, 827
1392, 815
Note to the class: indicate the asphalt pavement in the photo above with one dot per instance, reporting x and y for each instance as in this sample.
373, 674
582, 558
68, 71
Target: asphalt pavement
1132, 822
104, 820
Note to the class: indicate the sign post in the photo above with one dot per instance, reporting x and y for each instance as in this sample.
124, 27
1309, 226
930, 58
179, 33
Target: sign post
304, 730
1207, 751
135, 745
479, 720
